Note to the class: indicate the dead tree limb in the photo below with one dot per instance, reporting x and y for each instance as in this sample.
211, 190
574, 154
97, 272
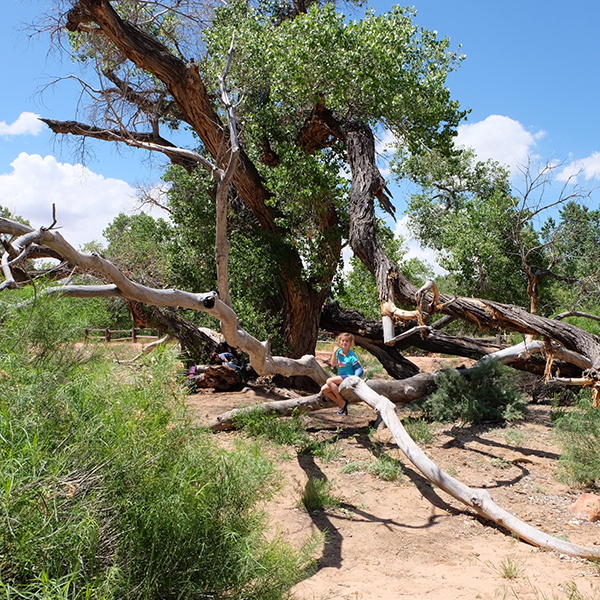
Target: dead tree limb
262, 361
400, 392
479, 500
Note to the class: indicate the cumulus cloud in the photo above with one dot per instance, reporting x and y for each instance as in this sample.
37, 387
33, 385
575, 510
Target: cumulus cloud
500, 138
588, 168
85, 201
28, 123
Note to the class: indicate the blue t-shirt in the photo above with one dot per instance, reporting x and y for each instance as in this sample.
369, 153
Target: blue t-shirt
346, 363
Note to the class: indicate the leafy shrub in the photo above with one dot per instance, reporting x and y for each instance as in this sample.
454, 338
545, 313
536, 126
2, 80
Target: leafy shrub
578, 432
489, 393
109, 492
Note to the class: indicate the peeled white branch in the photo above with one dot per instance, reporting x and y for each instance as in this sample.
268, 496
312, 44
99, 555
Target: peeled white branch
260, 355
478, 499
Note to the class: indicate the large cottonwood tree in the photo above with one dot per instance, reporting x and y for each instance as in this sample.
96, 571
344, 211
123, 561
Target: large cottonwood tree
323, 131
309, 82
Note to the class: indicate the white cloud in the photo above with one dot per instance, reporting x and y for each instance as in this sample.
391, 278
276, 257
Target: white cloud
385, 145
28, 123
589, 168
85, 201
414, 247
500, 138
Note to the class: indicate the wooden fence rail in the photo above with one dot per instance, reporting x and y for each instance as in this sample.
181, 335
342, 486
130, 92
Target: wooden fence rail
131, 333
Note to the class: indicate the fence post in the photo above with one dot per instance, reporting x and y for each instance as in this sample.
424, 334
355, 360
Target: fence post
85, 337
107, 335
134, 335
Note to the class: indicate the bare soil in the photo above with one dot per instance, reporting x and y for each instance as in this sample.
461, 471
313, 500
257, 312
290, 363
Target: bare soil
405, 539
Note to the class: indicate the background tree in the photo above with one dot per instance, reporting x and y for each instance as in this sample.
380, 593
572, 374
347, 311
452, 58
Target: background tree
356, 288
488, 237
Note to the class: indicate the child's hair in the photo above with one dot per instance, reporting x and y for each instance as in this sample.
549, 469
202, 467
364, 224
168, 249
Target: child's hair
344, 336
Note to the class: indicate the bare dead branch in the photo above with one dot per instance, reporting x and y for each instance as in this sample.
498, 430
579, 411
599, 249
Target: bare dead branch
261, 359
479, 500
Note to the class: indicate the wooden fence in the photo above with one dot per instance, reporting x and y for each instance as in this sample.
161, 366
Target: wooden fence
132, 334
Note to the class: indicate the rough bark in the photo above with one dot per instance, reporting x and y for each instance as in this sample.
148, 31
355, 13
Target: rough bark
218, 377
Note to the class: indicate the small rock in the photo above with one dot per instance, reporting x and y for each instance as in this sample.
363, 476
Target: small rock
586, 507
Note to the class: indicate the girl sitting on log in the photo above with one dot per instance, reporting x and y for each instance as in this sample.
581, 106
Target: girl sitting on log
347, 364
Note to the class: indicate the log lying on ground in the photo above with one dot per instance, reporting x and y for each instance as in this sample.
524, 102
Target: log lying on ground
405, 391
479, 500
400, 392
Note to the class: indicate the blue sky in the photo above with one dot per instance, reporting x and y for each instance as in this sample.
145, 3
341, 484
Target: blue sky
530, 78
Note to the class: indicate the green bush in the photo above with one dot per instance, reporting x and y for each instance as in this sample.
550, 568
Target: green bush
109, 492
488, 393
578, 432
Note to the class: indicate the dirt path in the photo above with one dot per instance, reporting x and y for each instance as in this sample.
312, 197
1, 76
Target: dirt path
404, 539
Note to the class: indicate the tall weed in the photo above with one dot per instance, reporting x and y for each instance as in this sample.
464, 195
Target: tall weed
107, 491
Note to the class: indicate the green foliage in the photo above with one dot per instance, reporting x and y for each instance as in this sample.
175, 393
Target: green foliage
140, 245
578, 432
509, 568
109, 492
419, 430
355, 466
385, 467
357, 287
490, 393
575, 241
380, 68
468, 214
488, 239
287, 431
317, 495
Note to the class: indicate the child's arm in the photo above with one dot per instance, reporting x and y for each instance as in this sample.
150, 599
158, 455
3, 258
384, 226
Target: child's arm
334, 361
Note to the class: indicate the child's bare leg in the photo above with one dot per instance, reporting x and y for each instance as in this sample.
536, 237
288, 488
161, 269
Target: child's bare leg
331, 389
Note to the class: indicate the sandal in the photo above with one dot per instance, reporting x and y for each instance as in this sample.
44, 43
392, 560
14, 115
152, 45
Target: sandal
344, 410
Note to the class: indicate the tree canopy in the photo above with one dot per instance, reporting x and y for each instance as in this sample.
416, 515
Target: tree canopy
303, 79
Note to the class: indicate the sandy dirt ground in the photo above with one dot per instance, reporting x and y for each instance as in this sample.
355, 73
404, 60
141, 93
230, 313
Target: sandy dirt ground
405, 539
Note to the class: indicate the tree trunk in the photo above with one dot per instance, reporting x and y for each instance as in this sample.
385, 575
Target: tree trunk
196, 347
303, 310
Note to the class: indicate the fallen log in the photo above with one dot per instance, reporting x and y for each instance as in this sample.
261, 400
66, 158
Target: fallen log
479, 500
400, 392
